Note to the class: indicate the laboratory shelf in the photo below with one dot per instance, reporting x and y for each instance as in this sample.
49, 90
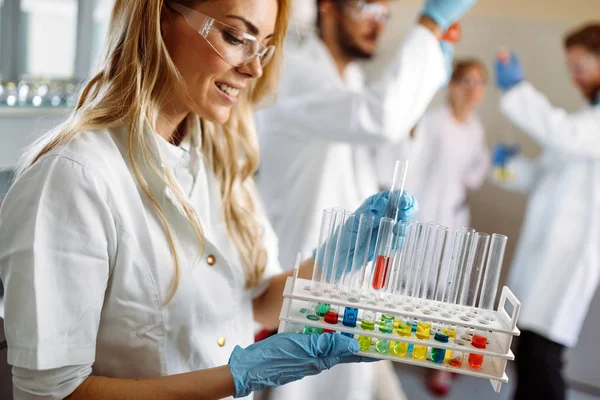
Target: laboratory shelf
298, 300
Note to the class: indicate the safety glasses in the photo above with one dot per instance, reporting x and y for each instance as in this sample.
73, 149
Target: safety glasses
471, 82
361, 10
235, 47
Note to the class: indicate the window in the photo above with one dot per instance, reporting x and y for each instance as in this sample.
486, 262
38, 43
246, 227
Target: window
49, 37
102, 13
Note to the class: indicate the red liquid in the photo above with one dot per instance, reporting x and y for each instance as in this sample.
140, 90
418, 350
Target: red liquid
475, 360
331, 317
479, 341
381, 272
455, 362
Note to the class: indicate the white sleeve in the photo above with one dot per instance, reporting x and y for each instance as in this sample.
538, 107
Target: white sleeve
577, 133
50, 384
384, 111
57, 232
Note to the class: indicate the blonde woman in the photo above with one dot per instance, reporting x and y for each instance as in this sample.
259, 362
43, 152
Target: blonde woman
135, 254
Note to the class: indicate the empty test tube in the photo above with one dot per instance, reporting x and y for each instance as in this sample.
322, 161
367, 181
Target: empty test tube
356, 278
432, 263
392, 288
341, 254
397, 189
492, 275
416, 266
475, 264
319, 278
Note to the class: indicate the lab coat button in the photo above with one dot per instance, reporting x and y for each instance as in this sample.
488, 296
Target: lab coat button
221, 341
211, 260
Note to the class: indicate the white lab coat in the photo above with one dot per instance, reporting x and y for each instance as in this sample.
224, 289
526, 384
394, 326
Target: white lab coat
556, 269
447, 158
315, 155
87, 267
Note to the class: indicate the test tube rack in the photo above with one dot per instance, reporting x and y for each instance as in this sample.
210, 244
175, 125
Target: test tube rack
500, 328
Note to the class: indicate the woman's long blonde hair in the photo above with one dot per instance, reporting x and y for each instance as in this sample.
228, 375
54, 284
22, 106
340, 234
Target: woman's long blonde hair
135, 78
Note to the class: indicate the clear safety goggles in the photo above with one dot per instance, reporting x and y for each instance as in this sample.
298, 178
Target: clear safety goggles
471, 82
361, 10
583, 66
235, 47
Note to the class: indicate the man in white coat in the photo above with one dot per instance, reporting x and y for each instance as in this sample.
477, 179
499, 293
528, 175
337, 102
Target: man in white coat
557, 265
315, 140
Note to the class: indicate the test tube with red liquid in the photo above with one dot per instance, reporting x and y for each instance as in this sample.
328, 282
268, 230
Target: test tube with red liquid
383, 249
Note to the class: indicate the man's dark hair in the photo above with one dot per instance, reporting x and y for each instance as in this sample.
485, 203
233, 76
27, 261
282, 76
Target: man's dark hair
338, 3
587, 37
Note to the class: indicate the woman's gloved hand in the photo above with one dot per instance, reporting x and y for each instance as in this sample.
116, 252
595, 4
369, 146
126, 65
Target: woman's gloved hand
375, 206
446, 12
509, 71
288, 357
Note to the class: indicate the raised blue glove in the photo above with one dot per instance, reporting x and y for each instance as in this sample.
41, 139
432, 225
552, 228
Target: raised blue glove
503, 153
509, 73
343, 241
288, 357
448, 53
446, 12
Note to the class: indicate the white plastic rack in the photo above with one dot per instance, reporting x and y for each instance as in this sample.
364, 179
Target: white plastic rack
499, 330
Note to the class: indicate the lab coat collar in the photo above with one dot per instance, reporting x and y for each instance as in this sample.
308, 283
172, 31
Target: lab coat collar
159, 189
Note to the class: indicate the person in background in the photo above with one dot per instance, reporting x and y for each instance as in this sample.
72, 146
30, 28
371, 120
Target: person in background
135, 249
315, 138
447, 152
556, 269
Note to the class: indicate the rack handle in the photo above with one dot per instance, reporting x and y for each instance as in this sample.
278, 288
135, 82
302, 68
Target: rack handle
508, 295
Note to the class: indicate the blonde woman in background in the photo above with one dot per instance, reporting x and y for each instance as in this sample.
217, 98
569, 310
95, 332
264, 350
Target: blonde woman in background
135, 252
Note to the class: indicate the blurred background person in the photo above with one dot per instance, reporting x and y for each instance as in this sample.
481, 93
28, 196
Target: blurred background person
315, 139
447, 151
556, 269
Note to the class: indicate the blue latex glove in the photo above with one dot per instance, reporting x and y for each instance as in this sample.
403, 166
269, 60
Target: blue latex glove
509, 73
288, 357
448, 53
375, 205
503, 153
446, 12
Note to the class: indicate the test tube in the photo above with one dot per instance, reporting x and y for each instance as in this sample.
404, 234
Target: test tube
397, 189
447, 293
341, 254
409, 262
319, 269
416, 267
475, 264
392, 287
354, 281
432, 263
383, 249
492, 275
